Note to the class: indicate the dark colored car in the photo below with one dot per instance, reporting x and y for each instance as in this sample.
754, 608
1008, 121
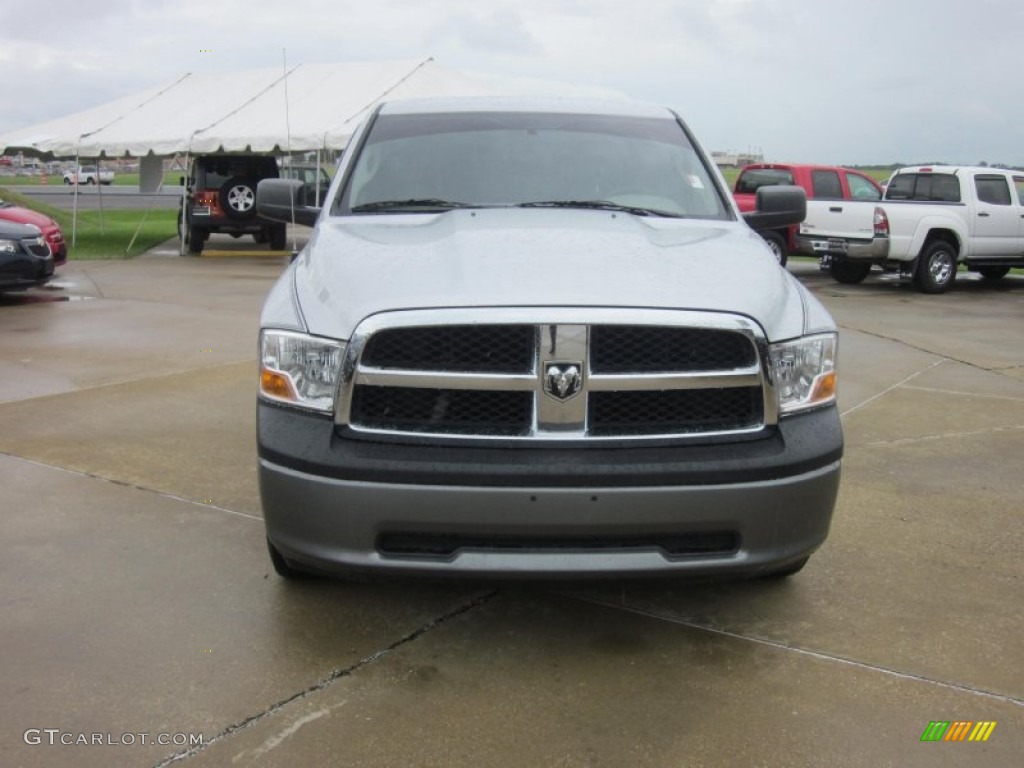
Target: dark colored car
46, 225
25, 258
221, 197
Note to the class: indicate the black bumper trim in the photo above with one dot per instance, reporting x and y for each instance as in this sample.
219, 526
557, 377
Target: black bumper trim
309, 443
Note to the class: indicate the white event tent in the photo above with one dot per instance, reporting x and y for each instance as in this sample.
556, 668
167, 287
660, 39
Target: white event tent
300, 108
308, 107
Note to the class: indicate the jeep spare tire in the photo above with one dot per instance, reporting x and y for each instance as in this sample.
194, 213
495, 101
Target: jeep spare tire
238, 198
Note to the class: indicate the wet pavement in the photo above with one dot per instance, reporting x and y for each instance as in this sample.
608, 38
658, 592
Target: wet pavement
139, 605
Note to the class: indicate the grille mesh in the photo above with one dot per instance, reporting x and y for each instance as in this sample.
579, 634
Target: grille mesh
42, 250
657, 349
458, 348
444, 411
680, 411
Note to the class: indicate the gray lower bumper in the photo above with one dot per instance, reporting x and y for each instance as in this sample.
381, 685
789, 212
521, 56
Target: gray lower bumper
874, 250
334, 525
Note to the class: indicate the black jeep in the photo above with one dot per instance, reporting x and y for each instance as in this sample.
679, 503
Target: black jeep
221, 197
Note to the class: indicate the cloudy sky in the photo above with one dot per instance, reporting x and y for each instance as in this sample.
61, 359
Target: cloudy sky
828, 81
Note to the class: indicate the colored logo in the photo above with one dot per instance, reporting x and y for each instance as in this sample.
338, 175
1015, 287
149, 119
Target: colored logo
958, 730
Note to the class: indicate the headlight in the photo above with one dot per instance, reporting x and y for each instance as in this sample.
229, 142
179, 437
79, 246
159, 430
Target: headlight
804, 371
8, 246
299, 369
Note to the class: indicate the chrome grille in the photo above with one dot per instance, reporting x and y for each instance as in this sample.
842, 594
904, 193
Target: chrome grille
556, 374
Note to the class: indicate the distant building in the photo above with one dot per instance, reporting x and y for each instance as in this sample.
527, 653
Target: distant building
736, 159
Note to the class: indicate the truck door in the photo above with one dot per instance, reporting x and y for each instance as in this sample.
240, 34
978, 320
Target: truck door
1018, 183
836, 213
997, 221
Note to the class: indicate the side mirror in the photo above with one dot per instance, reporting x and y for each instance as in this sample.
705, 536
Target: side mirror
285, 200
777, 207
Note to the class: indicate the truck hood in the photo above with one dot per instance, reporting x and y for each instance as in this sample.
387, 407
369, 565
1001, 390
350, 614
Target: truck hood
355, 267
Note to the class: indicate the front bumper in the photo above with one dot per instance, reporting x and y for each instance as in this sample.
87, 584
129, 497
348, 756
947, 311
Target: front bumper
875, 250
24, 270
336, 504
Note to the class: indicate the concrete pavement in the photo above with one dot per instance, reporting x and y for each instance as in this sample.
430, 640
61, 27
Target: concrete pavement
138, 597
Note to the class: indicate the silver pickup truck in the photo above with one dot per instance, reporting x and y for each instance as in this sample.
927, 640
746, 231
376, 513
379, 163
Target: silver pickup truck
536, 338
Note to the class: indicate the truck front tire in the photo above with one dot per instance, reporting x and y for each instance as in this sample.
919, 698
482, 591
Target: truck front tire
778, 245
936, 267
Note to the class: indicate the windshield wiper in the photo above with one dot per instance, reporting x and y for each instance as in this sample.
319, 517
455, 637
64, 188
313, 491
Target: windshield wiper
412, 204
599, 205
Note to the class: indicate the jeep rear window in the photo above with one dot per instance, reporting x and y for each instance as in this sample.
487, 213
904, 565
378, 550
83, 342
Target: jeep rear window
752, 180
516, 158
215, 171
924, 187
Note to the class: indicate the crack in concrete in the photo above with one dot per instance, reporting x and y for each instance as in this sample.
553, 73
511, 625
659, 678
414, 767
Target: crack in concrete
947, 435
905, 343
332, 678
819, 655
126, 484
889, 389
95, 285
134, 380
277, 739
958, 393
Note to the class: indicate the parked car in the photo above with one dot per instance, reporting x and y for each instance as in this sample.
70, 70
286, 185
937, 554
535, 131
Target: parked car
88, 174
535, 338
939, 217
25, 258
828, 190
221, 197
46, 225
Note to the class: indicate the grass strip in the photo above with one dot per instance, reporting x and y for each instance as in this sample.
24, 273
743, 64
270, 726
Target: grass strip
114, 234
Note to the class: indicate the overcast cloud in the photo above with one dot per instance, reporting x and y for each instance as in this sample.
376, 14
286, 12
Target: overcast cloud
829, 81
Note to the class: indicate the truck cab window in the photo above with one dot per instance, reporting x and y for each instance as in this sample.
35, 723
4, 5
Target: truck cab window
992, 190
826, 185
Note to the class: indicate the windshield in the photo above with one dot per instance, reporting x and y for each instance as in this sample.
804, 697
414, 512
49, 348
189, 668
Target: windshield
412, 163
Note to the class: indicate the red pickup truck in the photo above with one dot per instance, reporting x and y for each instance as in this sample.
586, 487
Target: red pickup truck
820, 182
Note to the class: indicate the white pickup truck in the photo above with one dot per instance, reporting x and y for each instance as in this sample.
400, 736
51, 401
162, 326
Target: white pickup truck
88, 174
937, 218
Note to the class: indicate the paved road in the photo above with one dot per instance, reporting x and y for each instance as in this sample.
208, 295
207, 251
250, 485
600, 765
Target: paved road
91, 198
138, 597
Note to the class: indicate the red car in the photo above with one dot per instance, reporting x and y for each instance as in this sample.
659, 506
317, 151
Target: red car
46, 225
820, 182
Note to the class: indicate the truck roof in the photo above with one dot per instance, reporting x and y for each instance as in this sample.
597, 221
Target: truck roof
954, 169
554, 105
798, 166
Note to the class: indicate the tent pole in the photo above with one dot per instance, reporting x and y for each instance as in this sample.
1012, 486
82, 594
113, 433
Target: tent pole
182, 221
99, 191
288, 135
317, 182
74, 202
